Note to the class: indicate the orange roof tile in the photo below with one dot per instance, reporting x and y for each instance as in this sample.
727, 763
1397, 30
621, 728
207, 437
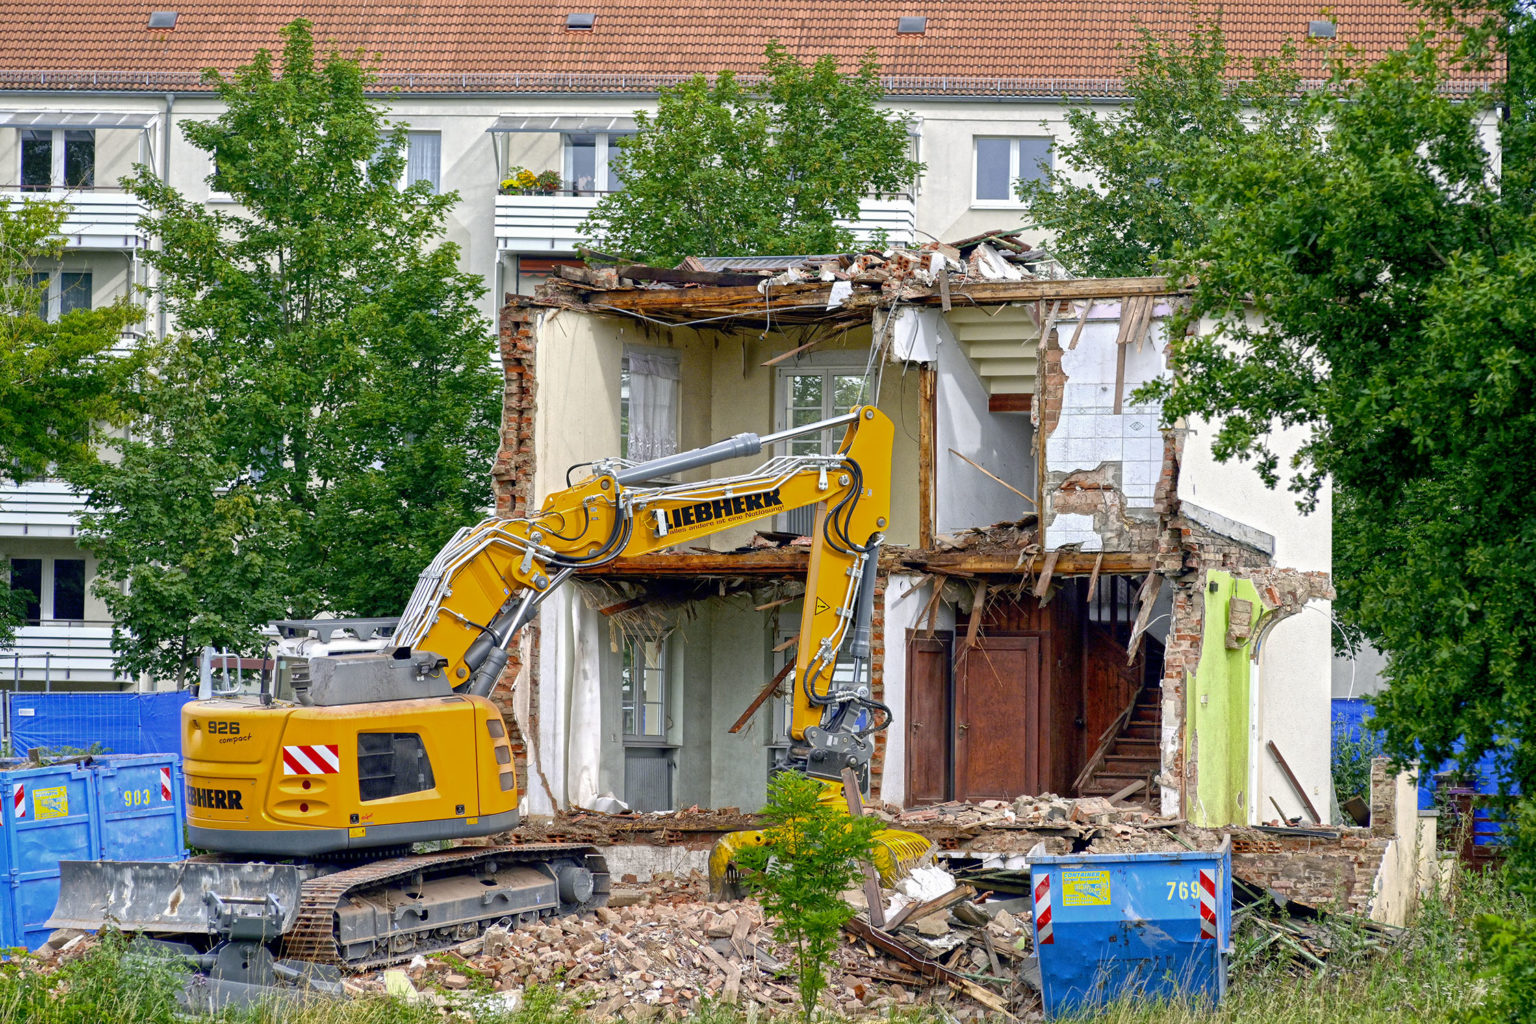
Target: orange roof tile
1008, 47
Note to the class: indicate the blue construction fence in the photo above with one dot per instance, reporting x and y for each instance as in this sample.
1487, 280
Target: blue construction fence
1484, 778
116, 723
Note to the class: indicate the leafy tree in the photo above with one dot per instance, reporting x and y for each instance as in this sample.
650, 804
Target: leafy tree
809, 857
733, 169
1370, 287
324, 416
60, 380
1140, 202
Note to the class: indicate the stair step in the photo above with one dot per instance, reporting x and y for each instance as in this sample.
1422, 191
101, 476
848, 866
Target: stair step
1131, 765
1141, 749
1147, 731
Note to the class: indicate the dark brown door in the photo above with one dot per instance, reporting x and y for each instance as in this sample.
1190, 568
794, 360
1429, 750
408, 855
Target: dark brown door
1001, 750
928, 721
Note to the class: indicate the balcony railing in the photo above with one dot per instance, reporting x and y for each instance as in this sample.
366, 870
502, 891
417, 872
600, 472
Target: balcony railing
56, 652
39, 508
552, 223
99, 218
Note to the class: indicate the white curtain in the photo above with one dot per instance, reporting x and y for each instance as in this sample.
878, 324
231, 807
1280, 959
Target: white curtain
653, 393
423, 158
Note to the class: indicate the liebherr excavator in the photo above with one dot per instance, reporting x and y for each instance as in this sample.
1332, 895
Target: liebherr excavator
312, 795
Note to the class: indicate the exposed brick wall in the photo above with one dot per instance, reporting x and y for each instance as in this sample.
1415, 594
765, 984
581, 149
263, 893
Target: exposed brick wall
1327, 873
512, 483
512, 472
877, 685
1336, 874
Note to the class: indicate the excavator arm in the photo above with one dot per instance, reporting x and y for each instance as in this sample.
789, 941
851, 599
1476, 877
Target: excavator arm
487, 582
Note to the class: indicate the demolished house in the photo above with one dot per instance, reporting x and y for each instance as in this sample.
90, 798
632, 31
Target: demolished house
1072, 599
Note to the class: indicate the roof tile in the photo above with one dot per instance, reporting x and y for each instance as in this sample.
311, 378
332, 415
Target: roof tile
1009, 46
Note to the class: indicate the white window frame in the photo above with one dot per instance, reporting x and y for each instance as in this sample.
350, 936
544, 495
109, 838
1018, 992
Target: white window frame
827, 365
668, 672
600, 170
55, 294
215, 196
1015, 170
56, 180
405, 172
624, 397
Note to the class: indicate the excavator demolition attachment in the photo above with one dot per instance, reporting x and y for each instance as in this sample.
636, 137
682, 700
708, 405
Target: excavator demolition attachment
896, 852
312, 793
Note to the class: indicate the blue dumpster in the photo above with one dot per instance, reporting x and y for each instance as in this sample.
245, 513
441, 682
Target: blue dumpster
111, 808
1153, 925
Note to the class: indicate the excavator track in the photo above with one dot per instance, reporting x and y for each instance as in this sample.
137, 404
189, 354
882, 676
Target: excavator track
397, 884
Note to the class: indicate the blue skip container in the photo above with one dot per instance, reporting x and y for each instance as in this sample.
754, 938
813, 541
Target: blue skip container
128, 807
1140, 925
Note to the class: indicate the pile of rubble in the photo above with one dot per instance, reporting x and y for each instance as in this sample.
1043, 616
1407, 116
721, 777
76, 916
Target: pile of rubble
660, 948
996, 256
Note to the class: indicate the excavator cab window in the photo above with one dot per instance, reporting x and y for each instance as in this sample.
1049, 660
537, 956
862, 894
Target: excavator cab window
391, 764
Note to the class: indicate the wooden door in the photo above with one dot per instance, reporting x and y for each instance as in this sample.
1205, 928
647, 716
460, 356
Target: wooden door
1001, 748
928, 718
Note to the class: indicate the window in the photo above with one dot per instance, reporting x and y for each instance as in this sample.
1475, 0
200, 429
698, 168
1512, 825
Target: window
592, 162
648, 391
391, 764
27, 575
69, 589
74, 292
643, 690
36, 159
810, 393
424, 159
61, 293
57, 158
40, 282
1001, 162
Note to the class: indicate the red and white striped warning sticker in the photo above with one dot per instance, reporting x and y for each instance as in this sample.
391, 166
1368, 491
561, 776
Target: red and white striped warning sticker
312, 759
1207, 904
1045, 935
19, 799
165, 782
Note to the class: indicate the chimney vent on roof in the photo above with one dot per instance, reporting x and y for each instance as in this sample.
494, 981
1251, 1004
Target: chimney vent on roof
162, 19
580, 22
913, 26
1322, 29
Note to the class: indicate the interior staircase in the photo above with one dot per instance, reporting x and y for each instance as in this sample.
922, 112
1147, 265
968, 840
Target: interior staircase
1132, 755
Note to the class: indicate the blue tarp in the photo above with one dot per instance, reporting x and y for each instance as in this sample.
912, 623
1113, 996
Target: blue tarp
121, 723
1349, 715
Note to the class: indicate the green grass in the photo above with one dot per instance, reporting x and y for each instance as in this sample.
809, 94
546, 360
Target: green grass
1430, 975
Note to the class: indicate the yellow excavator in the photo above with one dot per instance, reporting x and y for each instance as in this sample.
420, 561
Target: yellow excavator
311, 794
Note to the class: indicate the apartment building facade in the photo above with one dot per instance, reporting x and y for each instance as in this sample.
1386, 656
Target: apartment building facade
87, 91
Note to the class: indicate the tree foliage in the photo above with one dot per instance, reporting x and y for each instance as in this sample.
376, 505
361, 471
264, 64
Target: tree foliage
324, 416
1140, 204
61, 380
733, 169
1365, 276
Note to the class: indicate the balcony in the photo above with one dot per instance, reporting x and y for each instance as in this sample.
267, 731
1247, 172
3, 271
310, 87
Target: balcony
552, 223
39, 508
54, 653
99, 218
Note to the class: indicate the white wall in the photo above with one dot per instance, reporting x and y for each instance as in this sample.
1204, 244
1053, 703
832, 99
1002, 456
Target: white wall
1003, 442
